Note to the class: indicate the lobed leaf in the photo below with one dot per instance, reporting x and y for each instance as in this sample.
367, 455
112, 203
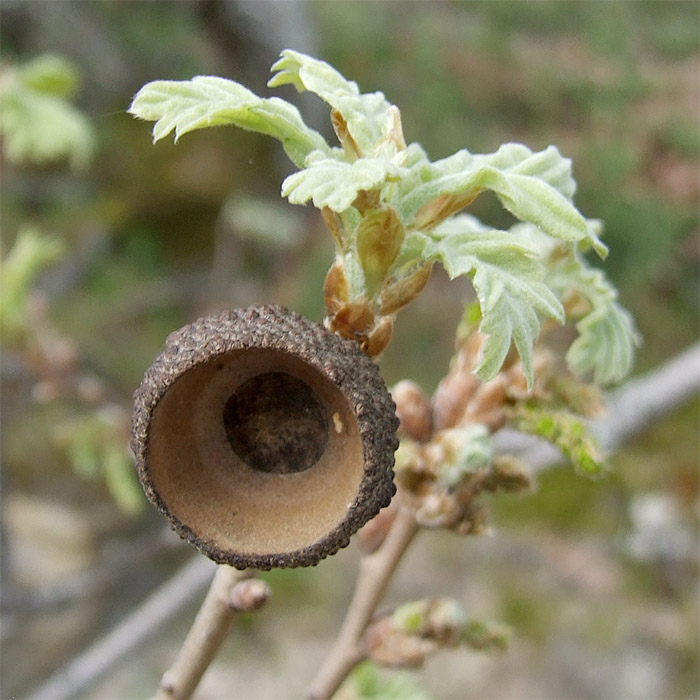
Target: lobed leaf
50, 74
509, 282
534, 187
605, 345
204, 101
607, 334
335, 183
566, 431
368, 117
29, 255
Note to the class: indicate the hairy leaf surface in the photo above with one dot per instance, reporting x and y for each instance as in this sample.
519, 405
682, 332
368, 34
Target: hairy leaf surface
534, 187
368, 116
204, 101
336, 183
509, 282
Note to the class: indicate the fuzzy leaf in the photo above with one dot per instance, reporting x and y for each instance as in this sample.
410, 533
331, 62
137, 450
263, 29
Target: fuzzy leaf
367, 682
335, 183
566, 431
205, 101
50, 74
607, 334
467, 450
486, 636
509, 284
368, 116
534, 187
606, 344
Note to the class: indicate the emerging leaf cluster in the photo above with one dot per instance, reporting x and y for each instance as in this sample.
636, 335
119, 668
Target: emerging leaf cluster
391, 211
37, 122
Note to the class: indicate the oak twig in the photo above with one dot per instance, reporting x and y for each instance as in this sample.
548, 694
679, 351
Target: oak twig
208, 631
375, 572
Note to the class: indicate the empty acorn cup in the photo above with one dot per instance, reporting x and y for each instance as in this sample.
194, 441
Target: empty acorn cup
266, 439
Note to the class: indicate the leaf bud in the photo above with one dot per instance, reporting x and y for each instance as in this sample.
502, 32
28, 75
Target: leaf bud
438, 618
379, 336
438, 509
437, 210
451, 398
379, 239
249, 595
387, 646
335, 288
401, 292
463, 451
413, 410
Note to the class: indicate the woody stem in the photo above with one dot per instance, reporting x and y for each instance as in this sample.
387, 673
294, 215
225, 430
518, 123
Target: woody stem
375, 573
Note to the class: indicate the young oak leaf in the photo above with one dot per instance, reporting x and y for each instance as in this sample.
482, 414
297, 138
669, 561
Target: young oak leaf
509, 282
607, 335
205, 101
534, 187
37, 122
605, 344
30, 253
567, 431
368, 116
335, 183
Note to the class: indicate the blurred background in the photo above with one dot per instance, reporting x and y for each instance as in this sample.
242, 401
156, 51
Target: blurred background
111, 243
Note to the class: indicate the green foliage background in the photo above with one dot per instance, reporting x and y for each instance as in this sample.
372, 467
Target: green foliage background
154, 238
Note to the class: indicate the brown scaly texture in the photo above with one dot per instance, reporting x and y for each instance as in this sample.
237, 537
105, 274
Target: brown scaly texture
341, 361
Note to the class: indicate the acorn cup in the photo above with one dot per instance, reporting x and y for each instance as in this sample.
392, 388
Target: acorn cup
266, 439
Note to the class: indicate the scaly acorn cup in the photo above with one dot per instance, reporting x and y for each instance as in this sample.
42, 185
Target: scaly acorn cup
266, 439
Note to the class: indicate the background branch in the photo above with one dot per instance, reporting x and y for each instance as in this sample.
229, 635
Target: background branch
143, 623
629, 410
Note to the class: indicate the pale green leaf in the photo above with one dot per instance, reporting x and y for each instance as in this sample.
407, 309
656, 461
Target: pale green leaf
467, 450
534, 187
50, 74
368, 682
566, 431
509, 282
336, 183
368, 116
605, 345
30, 253
41, 127
607, 334
204, 101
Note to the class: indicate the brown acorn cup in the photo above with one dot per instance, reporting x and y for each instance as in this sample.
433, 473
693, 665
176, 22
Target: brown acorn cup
266, 439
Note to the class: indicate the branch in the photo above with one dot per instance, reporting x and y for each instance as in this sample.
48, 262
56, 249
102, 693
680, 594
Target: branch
209, 629
375, 572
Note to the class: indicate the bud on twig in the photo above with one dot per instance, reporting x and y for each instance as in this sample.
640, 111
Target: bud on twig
414, 631
249, 595
413, 410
